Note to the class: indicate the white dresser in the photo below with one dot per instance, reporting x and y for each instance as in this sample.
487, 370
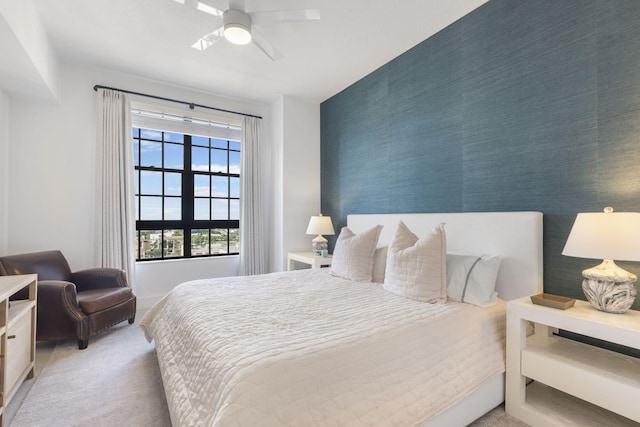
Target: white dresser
17, 335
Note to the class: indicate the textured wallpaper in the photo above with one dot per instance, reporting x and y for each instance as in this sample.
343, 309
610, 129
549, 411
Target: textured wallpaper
520, 105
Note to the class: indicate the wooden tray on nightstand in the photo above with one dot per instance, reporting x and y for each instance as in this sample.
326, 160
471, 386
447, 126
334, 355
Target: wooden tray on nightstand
553, 301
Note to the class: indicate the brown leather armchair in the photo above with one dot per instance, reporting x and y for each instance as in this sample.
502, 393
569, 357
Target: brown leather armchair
75, 305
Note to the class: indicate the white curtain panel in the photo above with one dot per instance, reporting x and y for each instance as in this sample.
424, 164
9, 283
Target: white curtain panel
115, 216
253, 232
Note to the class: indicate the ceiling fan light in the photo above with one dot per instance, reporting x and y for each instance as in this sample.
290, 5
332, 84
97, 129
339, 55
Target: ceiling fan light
237, 26
237, 34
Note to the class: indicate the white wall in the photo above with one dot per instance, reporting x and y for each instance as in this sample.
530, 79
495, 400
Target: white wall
299, 173
155, 278
295, 136
29, 64
277, 176
51, 159
51, 172
4, 172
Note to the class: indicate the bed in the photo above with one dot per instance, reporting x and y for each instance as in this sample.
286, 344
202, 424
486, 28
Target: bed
308, 348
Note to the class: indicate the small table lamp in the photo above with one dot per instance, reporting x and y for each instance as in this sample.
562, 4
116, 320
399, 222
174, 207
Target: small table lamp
320, 225
607, 236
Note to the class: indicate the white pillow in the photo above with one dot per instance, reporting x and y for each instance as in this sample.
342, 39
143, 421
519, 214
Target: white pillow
380, 264
472, 279
353, 254
416, 268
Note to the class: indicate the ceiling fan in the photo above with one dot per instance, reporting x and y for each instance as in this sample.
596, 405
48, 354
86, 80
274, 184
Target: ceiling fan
239, 26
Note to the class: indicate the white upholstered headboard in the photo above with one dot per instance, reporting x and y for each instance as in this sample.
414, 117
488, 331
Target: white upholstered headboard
515, 236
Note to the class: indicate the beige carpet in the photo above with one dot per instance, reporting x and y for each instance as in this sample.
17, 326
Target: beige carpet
497, 418
116, 382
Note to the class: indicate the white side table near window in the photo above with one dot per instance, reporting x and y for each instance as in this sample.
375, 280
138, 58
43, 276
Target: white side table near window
310, 258
573, 383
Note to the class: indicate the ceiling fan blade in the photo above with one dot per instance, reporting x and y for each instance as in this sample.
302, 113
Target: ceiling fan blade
285, 16
211, 10
208, 39
205, 6
264, 44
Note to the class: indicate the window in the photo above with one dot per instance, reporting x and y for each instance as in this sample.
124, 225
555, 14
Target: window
187, 191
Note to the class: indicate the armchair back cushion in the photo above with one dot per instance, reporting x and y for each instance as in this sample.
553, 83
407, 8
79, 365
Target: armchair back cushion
49, 265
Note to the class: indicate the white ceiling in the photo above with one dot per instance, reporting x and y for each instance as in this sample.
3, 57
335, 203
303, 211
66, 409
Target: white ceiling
152, 38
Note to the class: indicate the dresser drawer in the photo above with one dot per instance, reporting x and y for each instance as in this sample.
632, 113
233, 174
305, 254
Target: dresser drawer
19, 342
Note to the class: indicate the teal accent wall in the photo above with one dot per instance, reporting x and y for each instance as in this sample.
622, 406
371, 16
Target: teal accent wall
519, 105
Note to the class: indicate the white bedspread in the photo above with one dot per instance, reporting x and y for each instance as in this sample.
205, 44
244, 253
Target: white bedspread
305, 348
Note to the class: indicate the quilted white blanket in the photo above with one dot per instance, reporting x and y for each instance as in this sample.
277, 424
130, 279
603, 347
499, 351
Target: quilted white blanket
305, 348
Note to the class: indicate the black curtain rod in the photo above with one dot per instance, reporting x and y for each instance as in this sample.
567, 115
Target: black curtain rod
190, 104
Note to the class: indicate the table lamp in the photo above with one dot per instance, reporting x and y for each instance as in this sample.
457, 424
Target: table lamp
320, 225
607, 236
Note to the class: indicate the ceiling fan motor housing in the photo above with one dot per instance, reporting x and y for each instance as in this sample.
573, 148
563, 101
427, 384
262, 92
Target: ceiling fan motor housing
237, 26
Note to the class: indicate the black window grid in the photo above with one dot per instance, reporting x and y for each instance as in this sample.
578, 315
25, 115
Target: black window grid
187, 223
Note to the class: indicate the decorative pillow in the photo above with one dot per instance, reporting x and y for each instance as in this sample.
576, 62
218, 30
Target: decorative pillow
353, 254
417, 268
472, 279
380, 264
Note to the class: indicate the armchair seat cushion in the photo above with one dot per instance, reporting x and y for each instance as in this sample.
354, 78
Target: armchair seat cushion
96, 300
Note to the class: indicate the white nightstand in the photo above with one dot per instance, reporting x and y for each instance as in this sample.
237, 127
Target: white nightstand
315, 261
567, 374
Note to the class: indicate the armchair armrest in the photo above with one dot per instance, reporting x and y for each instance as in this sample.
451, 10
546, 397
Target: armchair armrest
57, 300
99, 278
57, 295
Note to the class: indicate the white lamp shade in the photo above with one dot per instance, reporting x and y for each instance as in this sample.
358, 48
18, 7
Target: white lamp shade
320, 225
613, 236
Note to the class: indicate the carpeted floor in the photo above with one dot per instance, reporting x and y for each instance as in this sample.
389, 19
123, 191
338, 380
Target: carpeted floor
116, 382
498, 418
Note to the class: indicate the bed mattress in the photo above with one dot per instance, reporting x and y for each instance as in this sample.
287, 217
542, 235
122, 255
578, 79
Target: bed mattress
305, 348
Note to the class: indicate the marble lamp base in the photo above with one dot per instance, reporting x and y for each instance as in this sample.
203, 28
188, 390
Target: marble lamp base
319, 244
612, 297
609, 288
